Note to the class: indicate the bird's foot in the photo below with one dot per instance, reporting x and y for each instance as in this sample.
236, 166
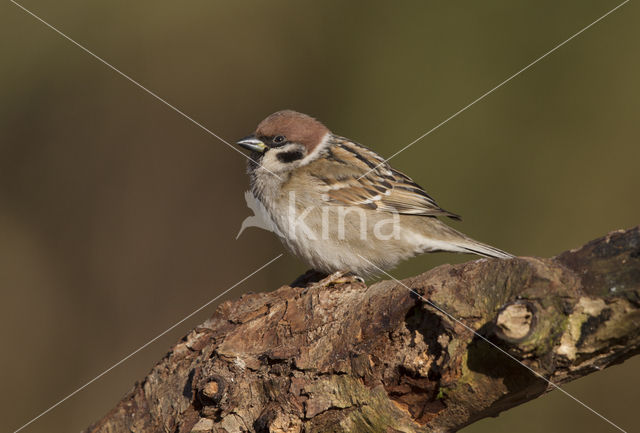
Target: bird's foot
313, 278
342, 277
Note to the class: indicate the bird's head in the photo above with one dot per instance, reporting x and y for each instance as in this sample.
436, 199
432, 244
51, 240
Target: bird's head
285, 140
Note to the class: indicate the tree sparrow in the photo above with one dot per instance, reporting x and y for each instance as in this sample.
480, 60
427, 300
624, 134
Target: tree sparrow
338, 205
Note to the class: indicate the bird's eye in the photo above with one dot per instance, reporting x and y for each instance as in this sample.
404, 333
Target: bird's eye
279, 139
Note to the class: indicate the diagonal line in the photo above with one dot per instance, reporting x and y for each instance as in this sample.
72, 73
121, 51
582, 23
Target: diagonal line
118, 71
495, 88
150, 342
492, 344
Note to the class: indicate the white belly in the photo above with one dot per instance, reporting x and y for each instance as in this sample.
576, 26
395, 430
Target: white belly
330, 238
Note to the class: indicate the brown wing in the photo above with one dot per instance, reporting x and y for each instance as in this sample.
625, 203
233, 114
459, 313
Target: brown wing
367, 184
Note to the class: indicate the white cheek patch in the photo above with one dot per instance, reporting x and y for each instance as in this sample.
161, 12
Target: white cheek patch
286, 148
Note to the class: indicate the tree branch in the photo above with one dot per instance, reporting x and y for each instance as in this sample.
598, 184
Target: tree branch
338, 356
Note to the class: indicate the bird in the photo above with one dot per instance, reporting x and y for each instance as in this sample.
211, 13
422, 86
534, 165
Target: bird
338, 205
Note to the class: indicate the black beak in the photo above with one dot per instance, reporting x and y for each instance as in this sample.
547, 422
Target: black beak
250, 142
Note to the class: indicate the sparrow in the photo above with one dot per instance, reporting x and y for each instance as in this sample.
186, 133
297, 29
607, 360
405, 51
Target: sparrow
338, 205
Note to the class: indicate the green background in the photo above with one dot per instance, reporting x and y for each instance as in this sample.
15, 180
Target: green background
118, 217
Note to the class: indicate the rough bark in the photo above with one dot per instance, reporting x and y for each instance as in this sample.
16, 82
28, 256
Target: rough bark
338, 356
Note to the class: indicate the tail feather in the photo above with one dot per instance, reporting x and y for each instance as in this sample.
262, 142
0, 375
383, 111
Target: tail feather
441, 237
484, 250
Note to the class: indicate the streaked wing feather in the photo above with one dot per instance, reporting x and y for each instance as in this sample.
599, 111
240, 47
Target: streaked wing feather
382, 187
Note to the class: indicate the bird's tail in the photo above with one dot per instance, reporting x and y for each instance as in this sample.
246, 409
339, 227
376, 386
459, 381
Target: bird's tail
455, 241
474, 247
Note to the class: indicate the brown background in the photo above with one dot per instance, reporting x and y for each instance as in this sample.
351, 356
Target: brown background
118, 216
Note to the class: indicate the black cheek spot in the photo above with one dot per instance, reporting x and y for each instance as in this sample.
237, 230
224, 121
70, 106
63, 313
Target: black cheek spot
287, 157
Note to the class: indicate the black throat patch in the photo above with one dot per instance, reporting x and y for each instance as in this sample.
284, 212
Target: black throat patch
287, 157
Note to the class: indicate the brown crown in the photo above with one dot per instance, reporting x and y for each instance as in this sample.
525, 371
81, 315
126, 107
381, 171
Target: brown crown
296, 127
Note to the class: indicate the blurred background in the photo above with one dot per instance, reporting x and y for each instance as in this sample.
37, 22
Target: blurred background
118, 216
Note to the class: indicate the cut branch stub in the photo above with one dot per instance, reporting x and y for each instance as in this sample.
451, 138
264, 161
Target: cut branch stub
516, 321
213, 390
